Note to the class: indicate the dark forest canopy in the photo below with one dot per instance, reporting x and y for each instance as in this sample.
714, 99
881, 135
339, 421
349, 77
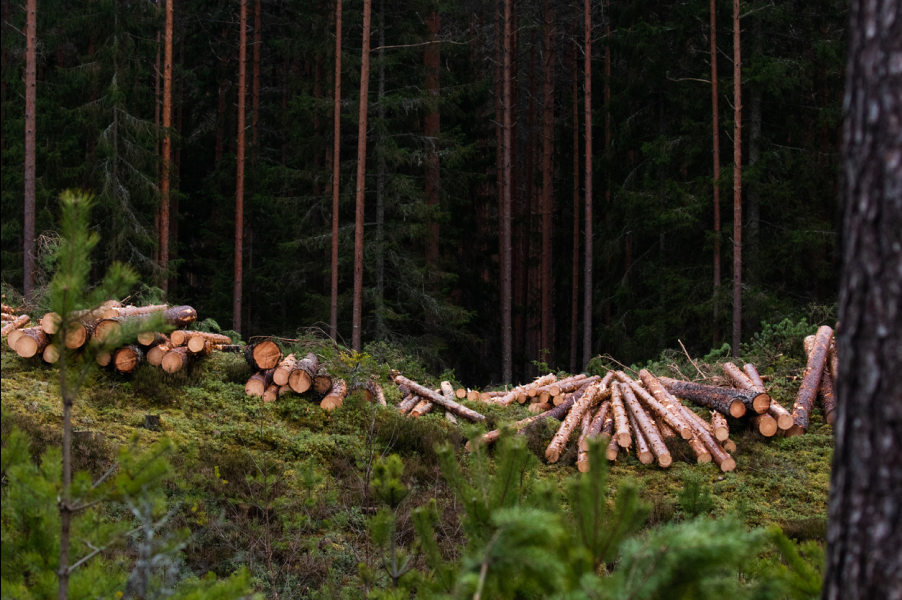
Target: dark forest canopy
431, 258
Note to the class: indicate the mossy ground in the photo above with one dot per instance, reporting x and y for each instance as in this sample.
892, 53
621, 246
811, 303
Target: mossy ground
316, 463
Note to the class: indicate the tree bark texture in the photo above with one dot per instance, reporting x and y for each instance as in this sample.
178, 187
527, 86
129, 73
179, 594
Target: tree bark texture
863, 560
737, 183
426, 393
258, 41
727, 401
574, 298
239, 192
574, 417
647, 426
357, 315
587, 92
507, 167
548, 179
825, 390
715, 129
31, 7
661, 410
621, 422
811, 380
336, 172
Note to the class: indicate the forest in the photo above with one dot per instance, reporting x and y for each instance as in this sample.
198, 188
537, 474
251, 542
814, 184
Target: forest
448, 211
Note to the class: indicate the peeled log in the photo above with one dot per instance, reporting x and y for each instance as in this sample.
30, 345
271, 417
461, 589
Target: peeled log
727, 401
198, 339
472, 395
125, 359
283, 371
621, 421
556, 388
151, 338
613, 449
643, 423
336, 396
322, 382
574, 417
176, 316
176, 359
512, 395
595, 425
825, 391
582, 458
155, 355
301, 377
32, 343
426, 393
262, 355
271, 393
14, 325
422, 407
719, 426
664, 428
51, 354
117, 310
106, 330
811, 381
661, 411
257, 384
103, 358
720, 456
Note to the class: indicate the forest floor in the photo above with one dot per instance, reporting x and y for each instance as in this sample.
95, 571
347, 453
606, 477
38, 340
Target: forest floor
319, 462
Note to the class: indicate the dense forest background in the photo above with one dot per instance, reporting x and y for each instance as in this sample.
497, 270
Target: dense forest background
98, 101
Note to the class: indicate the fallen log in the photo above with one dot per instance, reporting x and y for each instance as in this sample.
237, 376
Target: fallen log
582, 457
666, 431
727, 401
8, 309
107, 330
198, 339
155, 354
487, 396
643, 423
150, 339
512, 395
578, 385
613, 449
50, 322
472, 395
51, 354
728, 445
117, 310
176, 359
285, 390
198, 350
765, 424
833, 360
262, 355
540, 407
283, 371
378, 392
407, 403
567, 384
422, 407
336, 396
126, 358
661, 411
825, 391
742, 381
271, 393
15, 325
811, 380
596, 425
574, 417
718, 454
259, 381
621, 421
230, 348
426, 393
322, 382
461, 393
32, 343
775, 410
719, 426
304, 372
643, 452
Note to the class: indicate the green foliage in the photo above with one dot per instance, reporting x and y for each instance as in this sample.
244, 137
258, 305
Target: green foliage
801, 572
785, 337
695, 498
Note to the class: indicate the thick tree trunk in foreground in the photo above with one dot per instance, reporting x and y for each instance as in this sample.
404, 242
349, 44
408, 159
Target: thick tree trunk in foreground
336, 171
239, 192
587, 91
863, 558
737, 183
357, 315
30, 144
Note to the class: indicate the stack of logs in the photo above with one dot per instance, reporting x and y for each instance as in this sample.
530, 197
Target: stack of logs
275, 376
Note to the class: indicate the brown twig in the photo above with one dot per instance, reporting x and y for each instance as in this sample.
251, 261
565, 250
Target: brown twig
692, 361
612, 359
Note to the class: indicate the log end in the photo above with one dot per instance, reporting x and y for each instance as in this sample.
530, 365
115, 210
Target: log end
552, 455
267, 355
737, 409
280, 376
146, 338
125, 360
703, 458
785, 422
299, 380
196, 343
646, 458
521, 398
831, 417
767, 426
103, 358
665, 460
624, 440
611, 454
472, 396
50, 323
51, 354
172, 362
761, 403
729, 445
727, 465
721, 433
583, 465
794, 431
686, 433
26, 346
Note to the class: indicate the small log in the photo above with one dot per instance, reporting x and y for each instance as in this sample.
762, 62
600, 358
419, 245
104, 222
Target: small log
702, 455
284, 390
643, 452
742, 381
197, 340
322, 382
644, 424
582, 458
825, 391
833, 361
451, 418
301, 377
198, 350
512, 395
107, 330
472, 395
621, 421
155, 355
811, 380
558, 387
377, 392
257, 384
427, 394
151, 338
32, 343
8, 309
51, 354
448, 390
596, 425
336, 396
776, 410
718, 454
125, 359
461, 393
103, 358
118, 310
50, 322
765, 424
283, 371
727, 401
271, 393
661, 411
14, 325
487, 396
407, 404
753, 375
176, 359
719, 426
613, 449
422, 407
729, 445
152, 422
263, 355
574, 417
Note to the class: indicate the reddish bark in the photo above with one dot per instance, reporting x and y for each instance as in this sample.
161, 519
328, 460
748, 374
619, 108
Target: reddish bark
715, 129
737, 183
587, 91
548, 180
239, 192
30, 141
258, 40
167, 147
336, 170
574, 309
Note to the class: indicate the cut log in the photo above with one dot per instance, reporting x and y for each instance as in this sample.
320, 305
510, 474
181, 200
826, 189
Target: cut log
702, 455
558, 387
322, 382
753, 375
472, 395
613, 449
643, 422
407, 404
301, 377
262, 355
50, 323
78, 334
621, 421
487, 396
729, 445
197, 340
427, 394
15, 325
285, 390
51, 354
742, 381
461, 393
283, 371
336, 396
8, 309
198, 350
150, 339
765, 424
117, 310
271, 393
155, 355
447, 390
451, 418
176, 316
582, 457
727, 401
833, 361
108, 330
661, 411
176, 360
719, 426
718, 454
378, 392
595, 425
573, 419
257, 384
811, 380
422, 407
125, 359
776, 410
32, 343
512, 395
666, 431
643, 452
103, 358
231, 348
825, 391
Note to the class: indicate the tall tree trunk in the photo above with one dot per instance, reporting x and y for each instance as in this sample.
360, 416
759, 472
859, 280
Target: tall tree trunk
156, 145
737, 183
863, 559
587, 91
715, 129
336, 171
431, 124
381, 332
167, 148
239, 193
523, 230
176, 171
574, 308
361, 179
506, 341
607, 147
548, 179
30, 141
258, 41
753, 193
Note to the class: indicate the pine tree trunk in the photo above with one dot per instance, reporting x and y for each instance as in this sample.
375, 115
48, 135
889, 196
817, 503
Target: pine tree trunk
239, 193
587, 91
258, 41
811, 381
336, 171
166, 159
737, 183
863, 559
608, 148
361, 180
431, 125
715, 129
506, 340
574, 302
30, 143
381, 332
753, 194
548, 180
